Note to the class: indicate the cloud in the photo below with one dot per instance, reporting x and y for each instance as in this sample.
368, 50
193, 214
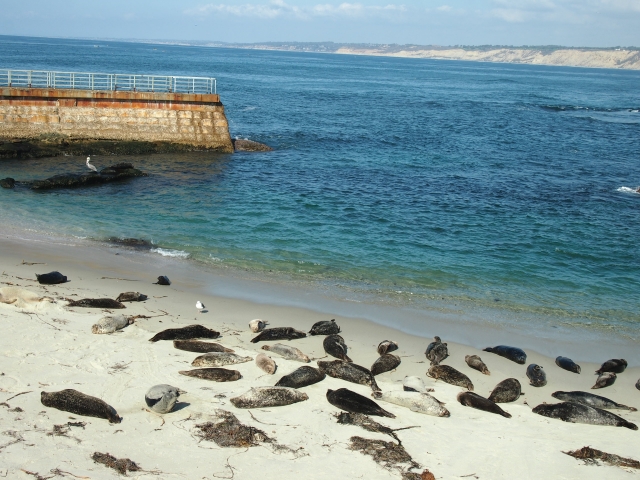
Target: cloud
444, 8
567, 11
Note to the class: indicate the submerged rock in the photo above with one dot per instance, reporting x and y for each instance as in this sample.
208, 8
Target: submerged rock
240, 145
7, 182
70, 180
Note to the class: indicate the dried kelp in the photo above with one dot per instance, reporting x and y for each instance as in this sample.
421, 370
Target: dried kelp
122, 465
591, 455
229, 432
389, 455
368, 424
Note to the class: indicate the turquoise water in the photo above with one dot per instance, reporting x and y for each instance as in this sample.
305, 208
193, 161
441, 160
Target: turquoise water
508, 189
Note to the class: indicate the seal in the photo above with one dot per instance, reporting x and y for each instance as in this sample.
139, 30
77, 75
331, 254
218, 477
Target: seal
511, 353
96, 303
285, 351
110, 324
200, 347
414, 384
475, 362
353, 402
279, 333
414, 401
605, 380
506, 391
266, 363
162, 398
163, 280
591, 400
185, 333
131, 297
301, 377
387, 346
325, 327
567, 364
579, 413
349, 372
259, 397
334, 345
536, 375
51, 278
257, 325
638, 384
385, 363
615, 365
473, 400
450, 375
219, 359
73, 401
213, 374
436, 351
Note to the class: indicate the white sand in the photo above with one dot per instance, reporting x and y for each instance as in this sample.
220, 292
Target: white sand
50, 347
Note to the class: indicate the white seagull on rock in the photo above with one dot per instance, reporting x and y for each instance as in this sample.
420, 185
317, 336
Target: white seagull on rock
200, 306
91, 166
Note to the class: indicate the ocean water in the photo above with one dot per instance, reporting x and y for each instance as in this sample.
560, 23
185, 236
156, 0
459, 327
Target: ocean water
504, 191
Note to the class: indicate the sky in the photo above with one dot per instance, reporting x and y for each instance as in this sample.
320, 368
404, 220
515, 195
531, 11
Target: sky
588, 23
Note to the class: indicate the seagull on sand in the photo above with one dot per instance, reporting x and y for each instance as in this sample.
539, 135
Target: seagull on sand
91, 166
200, 306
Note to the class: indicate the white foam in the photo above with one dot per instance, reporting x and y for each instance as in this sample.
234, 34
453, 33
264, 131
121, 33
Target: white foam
628, 190
167, 252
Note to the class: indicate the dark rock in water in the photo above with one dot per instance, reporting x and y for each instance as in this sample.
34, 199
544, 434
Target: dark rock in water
70, 180
131, 242
249, 146
7, 182
185, 333
72, 401
131, 297
325, 327
51, 278
96, 303
163, 280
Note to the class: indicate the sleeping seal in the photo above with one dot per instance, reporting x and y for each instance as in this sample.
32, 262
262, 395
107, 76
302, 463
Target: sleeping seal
638, 384
568, 364
213, 374
199, 347
257, 325
349, 372
436, 351
334, 345
185, 333
414, 401
506, 391
51, 278
163, 280
96, 303
591, 400
219, 359
511, 353
111, 323
285, 351
279, 333
73, 401
385, 363
473, 400
578, 413
605, 380
353, 402
259, 397
387, 346
162, 398
475, 362
325, 327
615, 365
414, 384
131, 297
450, 375
266, 363
301, 377
536, 375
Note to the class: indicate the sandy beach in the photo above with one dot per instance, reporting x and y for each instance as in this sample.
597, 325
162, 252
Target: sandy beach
48, 346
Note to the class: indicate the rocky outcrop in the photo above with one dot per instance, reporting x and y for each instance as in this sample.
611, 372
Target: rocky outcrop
240, 145
7, 182
119, 171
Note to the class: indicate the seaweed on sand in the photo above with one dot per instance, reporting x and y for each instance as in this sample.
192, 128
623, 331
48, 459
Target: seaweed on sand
122, 465
388, 455
591, 455
368, 424
229, 432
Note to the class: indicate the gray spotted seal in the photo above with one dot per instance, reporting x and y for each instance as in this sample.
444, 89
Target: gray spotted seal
567, 364
536, 375
475, 362
511, 353
301, 377
200, 347
349, 372
110, 324
387, 346
162, 398
185, 333
353, 402
96, 303
414, 384
385, 363
213, 374
334, 345
51, 278
266, 363
473, 400
506, 391
615, 365
285, 351
605, 379
591, 400
436, 351
131, 297
279, 333
257, 325
450, 375
325, 327
414, 401
260, 397
73, 401
219, 359
579, 413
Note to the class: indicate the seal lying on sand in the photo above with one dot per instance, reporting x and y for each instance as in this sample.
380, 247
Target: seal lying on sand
436, 351
73, 401
506, 391
568, 364
638, 384
511, 353
111, 323
163, 280
200, 347
285, 351
51, 278
301, 377
605, 380
131, 297
96, 303
450, 375
334, 345
266, 363
352, 402
414, 384
162, 398
475, 362
213, 374
385, 363
279, 333
578, 413
259, 397
219, 359
615, 365
325, 327
536, 375
387, 346
21, 298
473, 400
414, 401
349, 372
185, 333
591, 400
257, 325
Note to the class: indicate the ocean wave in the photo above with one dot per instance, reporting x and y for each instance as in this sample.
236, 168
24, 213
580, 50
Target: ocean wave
564, 108
167, 252
628, 190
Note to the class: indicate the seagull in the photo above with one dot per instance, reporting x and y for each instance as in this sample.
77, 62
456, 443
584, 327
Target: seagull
162, 398
91, 166
200, 306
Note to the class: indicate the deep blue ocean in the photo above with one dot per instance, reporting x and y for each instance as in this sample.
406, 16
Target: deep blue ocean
508, 189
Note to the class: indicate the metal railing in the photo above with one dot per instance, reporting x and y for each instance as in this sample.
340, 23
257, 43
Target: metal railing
106, 81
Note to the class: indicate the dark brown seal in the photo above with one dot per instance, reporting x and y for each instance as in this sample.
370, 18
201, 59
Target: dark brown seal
473, 400
301, 377
213, 374
350, 372
450, 375
334, 345
96, 303
325, 327
536, 375
567, 364
506, 391
73, 401
387, 346
131, 297
163, 280
51, 278
278, 333
615, 365
353, 402
436, 351
385, 363
605, 379
514, 354
475, 362
200, 347
185, 333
